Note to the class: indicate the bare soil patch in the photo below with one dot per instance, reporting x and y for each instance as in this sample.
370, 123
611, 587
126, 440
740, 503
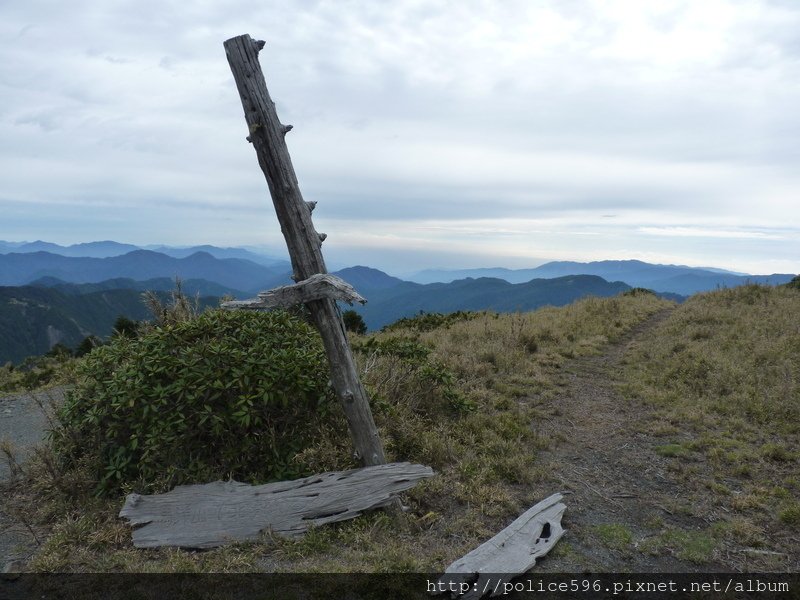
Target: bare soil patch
23, 425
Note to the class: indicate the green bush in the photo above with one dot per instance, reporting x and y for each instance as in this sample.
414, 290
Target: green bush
89, 343
639, 291
59, 351
430, 321
125, 326
354, 322
415, 376
226, 394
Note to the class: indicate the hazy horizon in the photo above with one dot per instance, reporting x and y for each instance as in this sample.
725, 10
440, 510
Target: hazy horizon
394, 270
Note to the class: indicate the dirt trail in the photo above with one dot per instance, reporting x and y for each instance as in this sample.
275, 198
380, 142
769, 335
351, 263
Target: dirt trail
22, 423
607, 468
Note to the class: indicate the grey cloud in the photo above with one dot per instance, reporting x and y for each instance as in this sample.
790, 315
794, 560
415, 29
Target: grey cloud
47, 121
138, 104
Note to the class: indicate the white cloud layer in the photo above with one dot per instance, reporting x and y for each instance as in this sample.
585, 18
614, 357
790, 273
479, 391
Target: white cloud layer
458, 133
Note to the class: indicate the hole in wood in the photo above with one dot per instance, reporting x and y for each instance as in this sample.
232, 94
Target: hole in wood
315, 516
545, 532
310, 482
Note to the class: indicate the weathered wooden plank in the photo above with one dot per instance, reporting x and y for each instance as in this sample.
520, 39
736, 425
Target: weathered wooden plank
512, 551
267, 134
316, 287
218, 513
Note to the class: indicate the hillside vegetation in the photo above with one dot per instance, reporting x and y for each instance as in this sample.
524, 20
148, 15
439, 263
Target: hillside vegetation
723, 375
236, 273
660, 278
473, 396
463, 397
387, 303
33, 319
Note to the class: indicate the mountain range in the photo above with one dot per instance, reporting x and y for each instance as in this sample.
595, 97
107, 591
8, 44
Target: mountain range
108, 248
675, 279
51, 297
192, 287
35, 317
390, 298
24, 268
23, 263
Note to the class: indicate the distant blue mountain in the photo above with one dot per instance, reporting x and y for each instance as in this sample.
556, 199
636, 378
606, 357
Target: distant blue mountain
9, 246
216, 252
90, 249
107, 249
24, 268
192, 287
389, 299
661, 278
368, 278
214, 272
40, 246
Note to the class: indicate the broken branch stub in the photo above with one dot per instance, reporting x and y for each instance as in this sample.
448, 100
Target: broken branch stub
267, 134
224, 512
315, 287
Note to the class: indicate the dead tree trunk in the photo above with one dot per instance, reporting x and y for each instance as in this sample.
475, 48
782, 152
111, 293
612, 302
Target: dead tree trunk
304, 243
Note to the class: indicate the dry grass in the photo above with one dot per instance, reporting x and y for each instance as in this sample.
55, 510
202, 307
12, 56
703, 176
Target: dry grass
723, 373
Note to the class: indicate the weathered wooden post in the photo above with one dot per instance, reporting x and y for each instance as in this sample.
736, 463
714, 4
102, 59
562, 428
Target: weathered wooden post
317, 290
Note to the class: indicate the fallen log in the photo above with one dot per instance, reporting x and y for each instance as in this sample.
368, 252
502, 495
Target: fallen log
218, 513
316, 287
511, 552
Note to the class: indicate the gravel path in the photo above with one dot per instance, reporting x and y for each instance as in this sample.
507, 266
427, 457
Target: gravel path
22, 423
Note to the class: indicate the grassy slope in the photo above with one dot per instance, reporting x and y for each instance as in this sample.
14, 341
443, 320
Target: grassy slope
722, 371
723, 374
498, 364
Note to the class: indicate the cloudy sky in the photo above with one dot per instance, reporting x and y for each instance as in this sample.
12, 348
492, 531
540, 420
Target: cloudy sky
432, 133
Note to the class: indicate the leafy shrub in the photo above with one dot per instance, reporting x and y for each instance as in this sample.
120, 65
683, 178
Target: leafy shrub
125, 326
354, 322
226, 394
430, 321
410, 373
89, 343
59, 351
179, 307
639, 291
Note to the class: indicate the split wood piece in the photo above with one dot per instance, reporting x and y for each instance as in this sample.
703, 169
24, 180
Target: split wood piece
304, 243
214, 514
315, 287
511, 552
